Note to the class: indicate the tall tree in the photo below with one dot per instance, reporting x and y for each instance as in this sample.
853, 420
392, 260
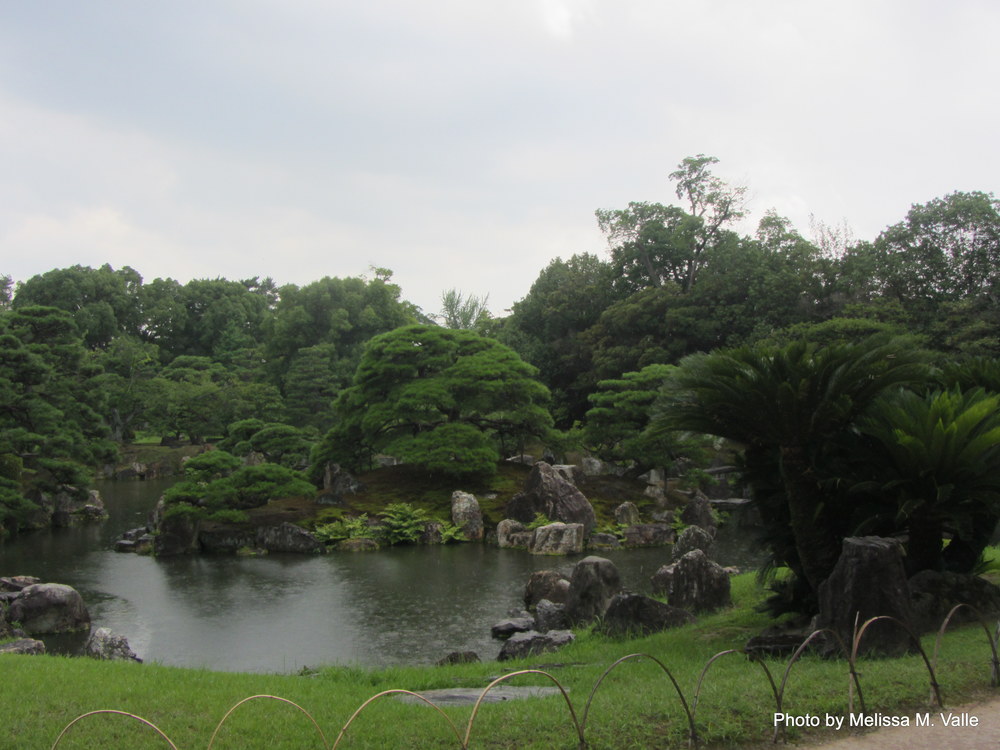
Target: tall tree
459, 311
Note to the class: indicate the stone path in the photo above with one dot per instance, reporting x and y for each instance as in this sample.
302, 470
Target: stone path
937, 736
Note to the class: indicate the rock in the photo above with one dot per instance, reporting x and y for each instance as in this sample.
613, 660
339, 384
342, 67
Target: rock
550, 616
360, 544
648, 535
594, 582
592, 467
506, 628
458, 657
546, 584
634, 614
225, 538
104, 644
868, 580
557, 539
600, 540
692, 538
70, 506
694, 583
337, 483
566, 471
521, 645
23, 646
287, 537
176, 533
698, 512
433, 533
933, 594
549, 493
627, 514
49, 608
466, 514
510, 532
17, 583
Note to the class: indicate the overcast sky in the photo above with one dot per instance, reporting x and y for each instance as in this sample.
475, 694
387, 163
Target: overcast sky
465, 143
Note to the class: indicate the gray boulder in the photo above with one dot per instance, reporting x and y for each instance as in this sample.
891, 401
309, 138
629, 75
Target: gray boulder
23, 646
550, 616
648, 535
466, 514
601, 540
506, 628
17, 583
49, 608
511, 533
287, 537
693, 583
337, 483
692, 538
868, 580
546, 584
698, 512
934, 593
557, 539
522, 645
634, 614
627, 514
103, 644
551, 494
594, 582
176, 532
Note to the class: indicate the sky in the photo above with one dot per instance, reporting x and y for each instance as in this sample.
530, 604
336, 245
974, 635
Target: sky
466, 143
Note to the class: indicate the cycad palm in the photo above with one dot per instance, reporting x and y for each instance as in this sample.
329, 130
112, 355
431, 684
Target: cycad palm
941, 466
786, 405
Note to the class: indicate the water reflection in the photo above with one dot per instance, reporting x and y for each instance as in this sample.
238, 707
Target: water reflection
282, 612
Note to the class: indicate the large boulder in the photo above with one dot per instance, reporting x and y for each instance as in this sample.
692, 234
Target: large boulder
546, 584
868, 580
698, 512
521, 645
933, 594
23, 646
549, 493
287, 537
176, 531
627, 514
692, 538
103, 644
506, 628
337, 483
550, 616
49, 608
511, 533
693, 583
634, 614
466, 514
594, 582
557, 539
648, 535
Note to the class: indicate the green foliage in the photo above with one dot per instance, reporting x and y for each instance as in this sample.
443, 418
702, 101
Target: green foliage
402, 523
450, 401
211, 465
538, 521
228, 515
356, 527
252, 486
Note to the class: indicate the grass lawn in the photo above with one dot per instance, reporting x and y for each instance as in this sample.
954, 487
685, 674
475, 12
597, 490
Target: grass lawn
636, 705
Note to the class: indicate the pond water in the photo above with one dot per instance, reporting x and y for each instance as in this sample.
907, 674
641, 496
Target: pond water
280, 613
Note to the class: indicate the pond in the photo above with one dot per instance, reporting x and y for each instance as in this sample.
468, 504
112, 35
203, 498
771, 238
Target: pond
281, 613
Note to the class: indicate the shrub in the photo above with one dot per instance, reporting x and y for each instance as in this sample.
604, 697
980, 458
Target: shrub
402, 523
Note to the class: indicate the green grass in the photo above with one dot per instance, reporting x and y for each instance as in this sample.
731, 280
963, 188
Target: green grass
635, 707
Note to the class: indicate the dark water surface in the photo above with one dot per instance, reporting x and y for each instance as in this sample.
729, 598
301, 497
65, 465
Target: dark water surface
279, 613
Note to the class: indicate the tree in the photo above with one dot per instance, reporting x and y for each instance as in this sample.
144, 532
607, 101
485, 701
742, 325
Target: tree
459, 311
448, 400
788, 407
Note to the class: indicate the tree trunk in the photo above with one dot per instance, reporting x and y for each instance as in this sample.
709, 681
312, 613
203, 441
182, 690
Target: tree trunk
817, 546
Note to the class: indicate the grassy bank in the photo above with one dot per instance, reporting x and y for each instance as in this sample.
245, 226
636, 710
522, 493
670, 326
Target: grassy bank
635, 707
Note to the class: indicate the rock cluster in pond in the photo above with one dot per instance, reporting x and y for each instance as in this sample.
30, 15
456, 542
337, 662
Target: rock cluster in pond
50, 608
593, 592
67, 506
